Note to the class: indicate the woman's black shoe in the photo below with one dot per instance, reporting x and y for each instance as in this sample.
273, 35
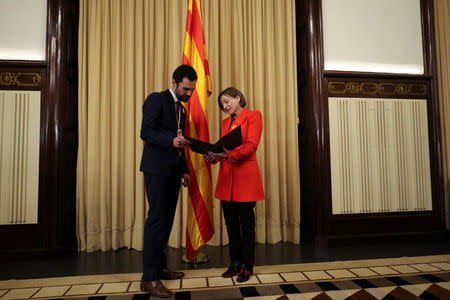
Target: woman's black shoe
233, 270
244, 274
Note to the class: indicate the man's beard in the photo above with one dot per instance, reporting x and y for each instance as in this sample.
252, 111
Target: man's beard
183, 98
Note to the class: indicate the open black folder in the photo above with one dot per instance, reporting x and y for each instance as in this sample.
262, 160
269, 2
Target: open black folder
229, 141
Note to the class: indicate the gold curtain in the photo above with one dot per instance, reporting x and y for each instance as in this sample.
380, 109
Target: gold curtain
442, 28
128, 49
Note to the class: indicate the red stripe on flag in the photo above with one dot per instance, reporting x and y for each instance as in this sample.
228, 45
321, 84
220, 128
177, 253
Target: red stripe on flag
200, 122
194, 48
188, 20
198, 117
196, 32
191, 254
186, 60
195, 110
189, 248
198, 204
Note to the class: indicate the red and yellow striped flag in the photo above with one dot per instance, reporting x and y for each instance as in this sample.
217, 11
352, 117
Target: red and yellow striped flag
199, 227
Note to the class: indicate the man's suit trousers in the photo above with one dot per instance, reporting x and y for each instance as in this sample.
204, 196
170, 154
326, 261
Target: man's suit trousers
162, 195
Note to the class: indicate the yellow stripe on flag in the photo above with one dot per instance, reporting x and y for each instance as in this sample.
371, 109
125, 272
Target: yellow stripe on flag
199, 223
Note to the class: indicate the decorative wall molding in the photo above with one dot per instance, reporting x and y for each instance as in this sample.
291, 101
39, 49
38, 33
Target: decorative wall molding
19, 79
377, 88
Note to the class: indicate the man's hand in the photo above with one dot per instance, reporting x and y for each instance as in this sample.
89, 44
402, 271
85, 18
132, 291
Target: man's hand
179, 142
186, 180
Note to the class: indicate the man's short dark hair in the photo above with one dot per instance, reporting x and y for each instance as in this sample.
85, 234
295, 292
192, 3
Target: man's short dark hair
184, 71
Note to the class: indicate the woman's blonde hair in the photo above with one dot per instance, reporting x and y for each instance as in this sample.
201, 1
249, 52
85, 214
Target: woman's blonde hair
232, 92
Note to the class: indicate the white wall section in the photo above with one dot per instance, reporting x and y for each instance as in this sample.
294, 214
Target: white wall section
23, 29
373, 36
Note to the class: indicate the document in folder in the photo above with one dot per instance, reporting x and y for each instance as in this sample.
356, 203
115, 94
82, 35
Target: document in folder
229, 141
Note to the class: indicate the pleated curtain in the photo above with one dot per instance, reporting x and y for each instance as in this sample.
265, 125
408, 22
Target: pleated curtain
128, 49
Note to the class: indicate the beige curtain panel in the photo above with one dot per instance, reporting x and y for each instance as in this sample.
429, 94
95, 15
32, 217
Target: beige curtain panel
128, 49
442, 27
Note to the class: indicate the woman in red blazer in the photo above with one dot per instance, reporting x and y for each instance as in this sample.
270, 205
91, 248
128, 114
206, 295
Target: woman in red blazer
239, 183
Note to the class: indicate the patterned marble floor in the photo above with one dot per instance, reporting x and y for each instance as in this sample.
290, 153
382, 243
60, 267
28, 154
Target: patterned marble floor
424, 277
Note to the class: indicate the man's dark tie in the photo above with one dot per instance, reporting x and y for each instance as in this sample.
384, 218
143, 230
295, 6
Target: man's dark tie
177, 111
178, 116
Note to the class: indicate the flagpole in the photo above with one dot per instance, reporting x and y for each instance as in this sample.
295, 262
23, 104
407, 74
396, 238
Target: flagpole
201, 259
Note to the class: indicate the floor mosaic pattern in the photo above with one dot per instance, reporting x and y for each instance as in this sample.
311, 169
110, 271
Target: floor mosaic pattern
426, 277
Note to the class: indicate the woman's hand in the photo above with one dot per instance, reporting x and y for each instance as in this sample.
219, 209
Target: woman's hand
209, 157
223, 155
212, 157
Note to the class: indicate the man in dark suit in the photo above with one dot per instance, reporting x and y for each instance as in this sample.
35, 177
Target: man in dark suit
164, 166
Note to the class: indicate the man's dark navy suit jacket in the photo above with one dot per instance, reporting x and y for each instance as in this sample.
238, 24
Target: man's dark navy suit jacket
159, 128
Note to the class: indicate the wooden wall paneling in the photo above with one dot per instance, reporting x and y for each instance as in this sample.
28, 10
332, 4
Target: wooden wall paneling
55, 231
59, 131
434, 127
315, 86
69, 126
314, 150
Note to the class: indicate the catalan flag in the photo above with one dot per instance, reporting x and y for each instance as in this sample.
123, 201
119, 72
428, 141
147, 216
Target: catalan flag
199, 227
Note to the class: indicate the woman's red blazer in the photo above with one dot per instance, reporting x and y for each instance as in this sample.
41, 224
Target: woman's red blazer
239, 176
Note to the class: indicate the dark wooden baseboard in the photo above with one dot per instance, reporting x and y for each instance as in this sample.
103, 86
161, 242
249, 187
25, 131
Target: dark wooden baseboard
384, 239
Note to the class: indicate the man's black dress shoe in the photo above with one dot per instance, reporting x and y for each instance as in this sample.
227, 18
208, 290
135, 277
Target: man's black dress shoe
155, 289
